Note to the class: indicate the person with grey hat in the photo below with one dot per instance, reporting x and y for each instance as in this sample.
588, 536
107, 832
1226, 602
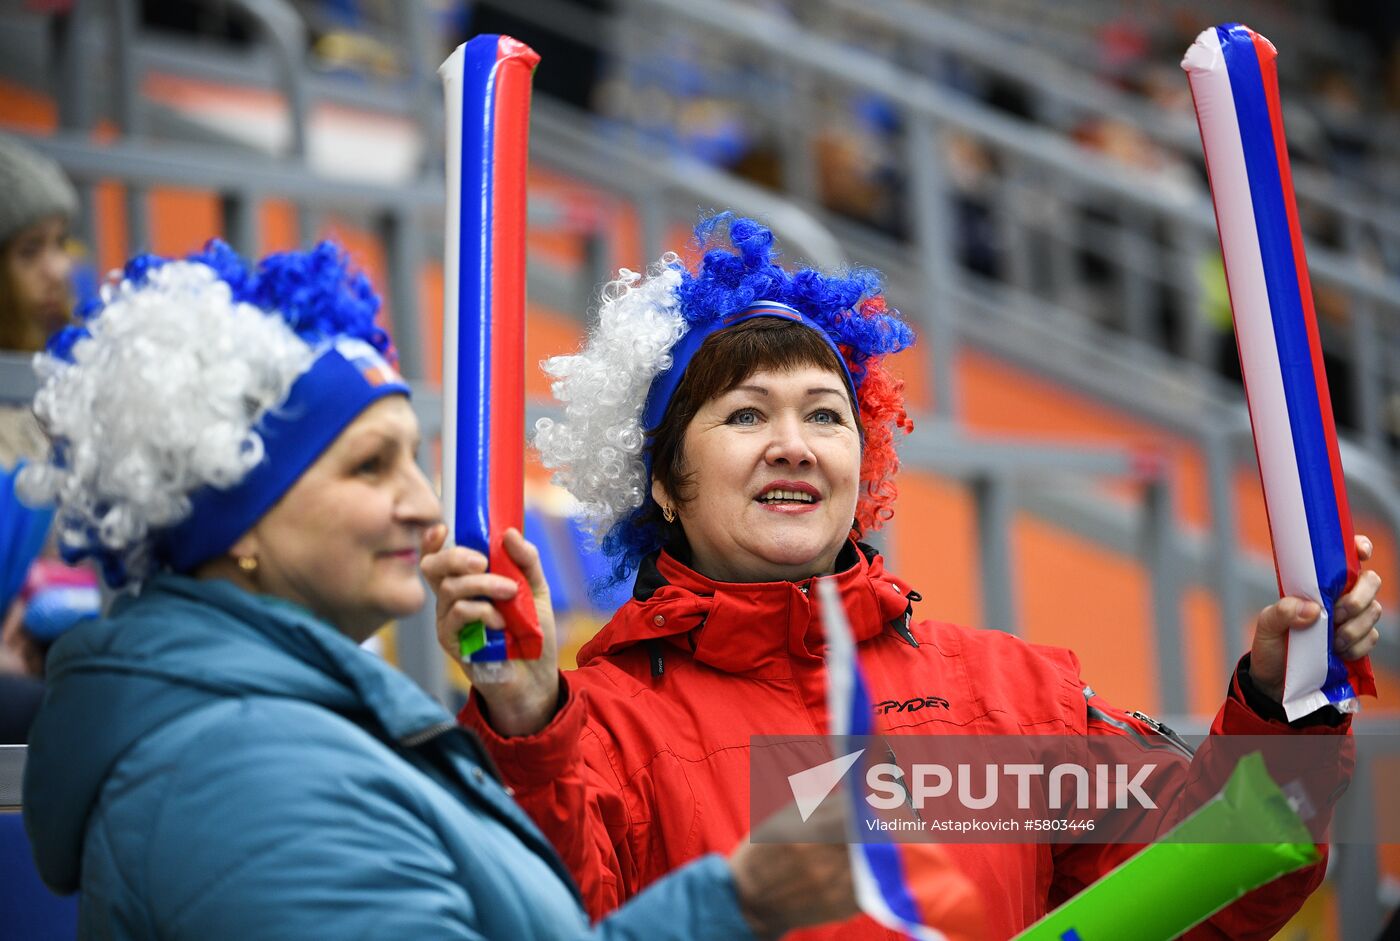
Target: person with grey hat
37, 205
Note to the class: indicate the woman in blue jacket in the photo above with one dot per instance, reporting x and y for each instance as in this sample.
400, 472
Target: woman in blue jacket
219, 758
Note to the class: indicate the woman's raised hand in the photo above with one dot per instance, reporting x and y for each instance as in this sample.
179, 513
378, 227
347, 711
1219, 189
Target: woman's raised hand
1355, 614
526, 700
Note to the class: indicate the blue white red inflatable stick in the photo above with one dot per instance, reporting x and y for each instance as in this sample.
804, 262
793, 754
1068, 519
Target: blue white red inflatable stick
886, 875
487, 86
1234, 82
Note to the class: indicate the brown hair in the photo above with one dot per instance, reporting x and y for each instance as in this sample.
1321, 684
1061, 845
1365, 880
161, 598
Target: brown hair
723, 362
17, 333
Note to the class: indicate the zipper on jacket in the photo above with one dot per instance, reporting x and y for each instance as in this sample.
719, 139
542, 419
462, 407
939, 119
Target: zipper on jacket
1165, 732
423, 736
654, 654
1171, 739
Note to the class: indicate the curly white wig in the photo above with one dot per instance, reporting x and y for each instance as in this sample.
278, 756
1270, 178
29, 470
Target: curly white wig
597, 449
159, 400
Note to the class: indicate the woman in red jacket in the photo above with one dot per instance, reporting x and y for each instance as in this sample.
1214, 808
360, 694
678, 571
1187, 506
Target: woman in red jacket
729, 435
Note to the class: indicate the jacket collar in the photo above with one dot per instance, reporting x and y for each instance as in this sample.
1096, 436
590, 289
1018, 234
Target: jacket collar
741, 627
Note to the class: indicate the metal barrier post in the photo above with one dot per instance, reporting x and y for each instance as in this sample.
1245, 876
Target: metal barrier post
1135, 258
123, 31
1356, 870
1367, 382
653, 217
799, 164
1018, 252
596, 269
1195, 331
995, 514
74, 112
237, 210
402, 238
1229, 582
934, 238
1159, 554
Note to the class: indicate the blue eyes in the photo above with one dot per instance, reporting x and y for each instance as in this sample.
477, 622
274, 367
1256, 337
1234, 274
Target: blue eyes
751, 416
744, 416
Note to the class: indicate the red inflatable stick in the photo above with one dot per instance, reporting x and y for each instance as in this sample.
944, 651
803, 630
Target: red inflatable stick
487, 86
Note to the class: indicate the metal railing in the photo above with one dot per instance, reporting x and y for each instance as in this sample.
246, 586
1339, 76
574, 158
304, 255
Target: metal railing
665, 188
1060, 95
1024, 322
665, 191
961, 308
1056, 209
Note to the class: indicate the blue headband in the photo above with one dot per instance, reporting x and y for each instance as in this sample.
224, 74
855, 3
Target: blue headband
663, 387
340, 384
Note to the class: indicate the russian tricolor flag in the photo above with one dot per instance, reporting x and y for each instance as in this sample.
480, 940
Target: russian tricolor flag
487, 117
1234, 82
903, 886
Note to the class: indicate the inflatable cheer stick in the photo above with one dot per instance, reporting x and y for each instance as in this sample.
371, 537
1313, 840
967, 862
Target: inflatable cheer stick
1234, 82
1180, 881
487, 86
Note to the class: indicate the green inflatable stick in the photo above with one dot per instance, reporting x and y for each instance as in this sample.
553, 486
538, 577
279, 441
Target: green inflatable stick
1177, 883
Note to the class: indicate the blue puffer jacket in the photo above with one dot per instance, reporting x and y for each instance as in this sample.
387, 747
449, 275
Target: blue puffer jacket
212, 764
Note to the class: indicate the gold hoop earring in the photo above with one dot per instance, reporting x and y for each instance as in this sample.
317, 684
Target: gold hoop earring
668, 514
248, 563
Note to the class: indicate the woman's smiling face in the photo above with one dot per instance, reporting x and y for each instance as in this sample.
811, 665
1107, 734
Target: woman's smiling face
772, 473
343, 542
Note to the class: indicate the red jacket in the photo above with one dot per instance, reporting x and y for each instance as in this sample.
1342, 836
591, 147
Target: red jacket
646, 764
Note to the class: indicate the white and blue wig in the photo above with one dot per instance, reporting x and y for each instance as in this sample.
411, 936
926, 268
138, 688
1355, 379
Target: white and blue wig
193, 394
615, 391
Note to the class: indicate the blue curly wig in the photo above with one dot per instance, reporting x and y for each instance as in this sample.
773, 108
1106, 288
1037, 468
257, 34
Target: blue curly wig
316, 292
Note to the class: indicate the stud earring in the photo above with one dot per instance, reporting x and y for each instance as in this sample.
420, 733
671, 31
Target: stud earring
668, 514
248, 563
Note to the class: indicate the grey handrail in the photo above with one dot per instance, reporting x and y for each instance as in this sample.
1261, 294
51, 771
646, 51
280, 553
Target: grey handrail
206, 166
12, 758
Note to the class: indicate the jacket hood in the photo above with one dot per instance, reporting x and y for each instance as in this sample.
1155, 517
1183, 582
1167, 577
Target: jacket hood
741, 627
176, 646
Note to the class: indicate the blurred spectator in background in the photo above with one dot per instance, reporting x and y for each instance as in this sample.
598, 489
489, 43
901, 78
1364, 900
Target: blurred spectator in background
53, 598
857, 161
37, 205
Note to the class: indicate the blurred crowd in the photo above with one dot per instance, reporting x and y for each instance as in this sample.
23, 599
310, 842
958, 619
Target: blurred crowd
40, 597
